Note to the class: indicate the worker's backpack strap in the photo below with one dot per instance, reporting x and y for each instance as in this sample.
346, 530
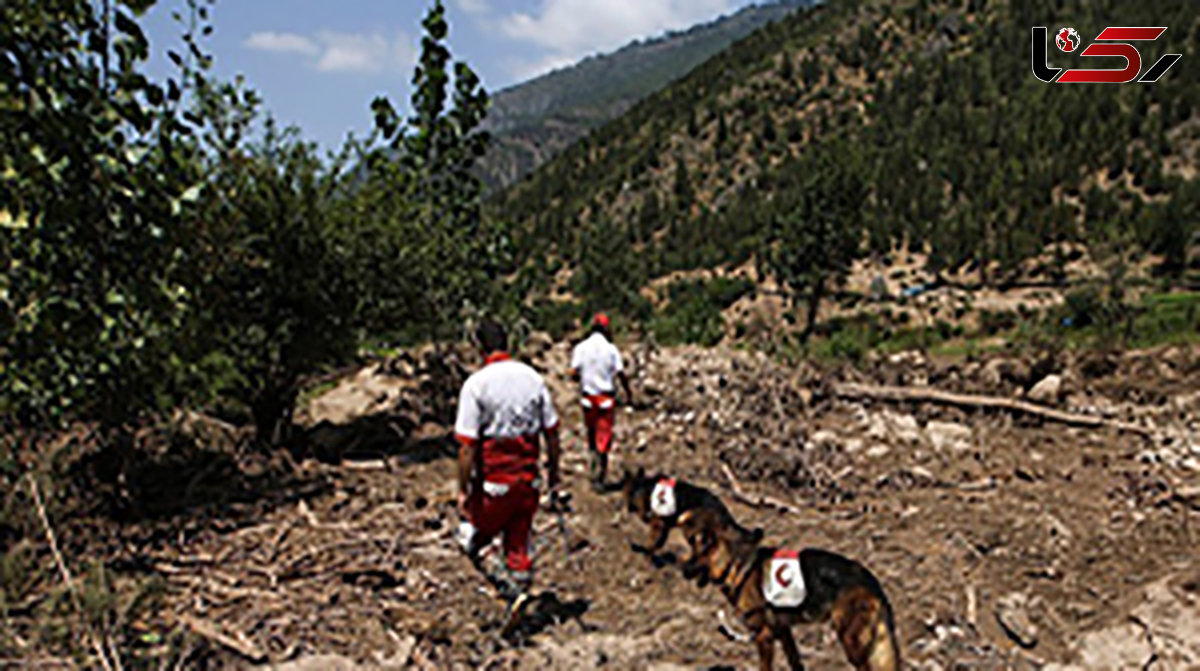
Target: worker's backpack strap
783, 581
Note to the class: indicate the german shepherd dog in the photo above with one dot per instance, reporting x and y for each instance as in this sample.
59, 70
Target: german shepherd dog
638, 489
838, 590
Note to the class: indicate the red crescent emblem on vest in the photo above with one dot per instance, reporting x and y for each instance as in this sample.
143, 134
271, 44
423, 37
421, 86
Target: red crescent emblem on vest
779, 576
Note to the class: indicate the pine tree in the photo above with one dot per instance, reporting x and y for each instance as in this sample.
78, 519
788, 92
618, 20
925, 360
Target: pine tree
683, 186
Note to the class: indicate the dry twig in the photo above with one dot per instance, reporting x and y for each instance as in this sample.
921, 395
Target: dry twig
66, 573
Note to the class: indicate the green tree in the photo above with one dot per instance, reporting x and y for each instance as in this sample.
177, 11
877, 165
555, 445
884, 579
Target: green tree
458, 254
815, 235
608, 274
683, 186
97, 167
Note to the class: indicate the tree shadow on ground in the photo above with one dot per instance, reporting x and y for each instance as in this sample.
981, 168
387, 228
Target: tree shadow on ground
164, 475
379, 436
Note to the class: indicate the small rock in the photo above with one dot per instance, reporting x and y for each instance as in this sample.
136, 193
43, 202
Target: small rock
824, 437
1013, 616
1048, 391
878, 451
948, 436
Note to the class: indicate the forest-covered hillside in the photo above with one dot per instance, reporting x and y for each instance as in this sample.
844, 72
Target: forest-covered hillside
860, 125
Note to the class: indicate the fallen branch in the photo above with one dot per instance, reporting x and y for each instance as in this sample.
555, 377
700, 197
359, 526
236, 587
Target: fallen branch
238, 643
760, 501
68, 581
930, 395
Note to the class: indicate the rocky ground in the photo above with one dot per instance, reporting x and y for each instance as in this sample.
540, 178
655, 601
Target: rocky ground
1003, 540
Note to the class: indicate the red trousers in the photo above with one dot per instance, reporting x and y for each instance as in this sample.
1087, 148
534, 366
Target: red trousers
598, 413
510, 514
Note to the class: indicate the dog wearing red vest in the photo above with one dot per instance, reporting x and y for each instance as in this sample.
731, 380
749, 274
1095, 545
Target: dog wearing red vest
659, 501
773, 590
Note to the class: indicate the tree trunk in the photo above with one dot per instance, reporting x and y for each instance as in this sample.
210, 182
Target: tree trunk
272, 412
814, 305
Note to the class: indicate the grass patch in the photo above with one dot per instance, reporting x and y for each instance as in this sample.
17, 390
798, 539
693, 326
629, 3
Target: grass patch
693, 313
1158, 319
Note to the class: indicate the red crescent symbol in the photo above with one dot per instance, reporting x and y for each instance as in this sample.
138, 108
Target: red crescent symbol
662, 496
779, 576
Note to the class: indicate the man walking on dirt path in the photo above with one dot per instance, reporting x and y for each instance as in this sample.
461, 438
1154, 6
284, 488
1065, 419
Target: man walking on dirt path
504, 410
595, 363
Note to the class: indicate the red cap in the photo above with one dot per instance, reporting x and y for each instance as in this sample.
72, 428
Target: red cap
600, 319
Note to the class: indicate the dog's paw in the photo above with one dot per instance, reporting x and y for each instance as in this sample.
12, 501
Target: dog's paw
664, 559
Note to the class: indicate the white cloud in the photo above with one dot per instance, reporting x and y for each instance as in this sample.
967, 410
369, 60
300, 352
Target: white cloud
525, 70
572, 29
329, 51
473, 6
282, 43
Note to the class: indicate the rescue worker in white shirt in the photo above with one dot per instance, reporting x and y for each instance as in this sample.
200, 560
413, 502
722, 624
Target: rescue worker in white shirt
504, 411
596, 364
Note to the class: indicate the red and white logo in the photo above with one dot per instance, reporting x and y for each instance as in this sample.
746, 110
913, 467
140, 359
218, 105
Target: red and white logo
662, 498
1112, 42
1067, 39
783, 581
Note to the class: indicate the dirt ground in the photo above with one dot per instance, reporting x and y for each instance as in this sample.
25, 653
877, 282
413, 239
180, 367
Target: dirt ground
1002, 541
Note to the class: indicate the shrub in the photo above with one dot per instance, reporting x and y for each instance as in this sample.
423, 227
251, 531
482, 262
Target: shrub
693, 314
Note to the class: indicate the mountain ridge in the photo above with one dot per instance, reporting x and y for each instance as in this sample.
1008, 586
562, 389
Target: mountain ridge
964, 153
533, 121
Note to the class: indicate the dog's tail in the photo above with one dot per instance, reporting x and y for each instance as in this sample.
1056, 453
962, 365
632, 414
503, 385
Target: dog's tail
866, 627
885, 649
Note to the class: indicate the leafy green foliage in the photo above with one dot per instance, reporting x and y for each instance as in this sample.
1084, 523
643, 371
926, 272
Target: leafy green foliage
608, 275
155, 256
693, 314
97, 166
456, 253
815, 230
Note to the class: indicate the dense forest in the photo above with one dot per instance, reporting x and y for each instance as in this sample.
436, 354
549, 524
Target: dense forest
943, 139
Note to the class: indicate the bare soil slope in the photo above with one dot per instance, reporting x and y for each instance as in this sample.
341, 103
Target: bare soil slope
1002, 542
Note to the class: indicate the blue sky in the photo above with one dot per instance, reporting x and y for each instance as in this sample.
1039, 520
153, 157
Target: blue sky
318, 63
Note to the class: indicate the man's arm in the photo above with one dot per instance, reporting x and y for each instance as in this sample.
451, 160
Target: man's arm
467, 472
619, 367
466, 430
553, 450
573, 371
553, 445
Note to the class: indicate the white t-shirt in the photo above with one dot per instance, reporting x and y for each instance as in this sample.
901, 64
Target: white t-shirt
598, 362
505, 399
